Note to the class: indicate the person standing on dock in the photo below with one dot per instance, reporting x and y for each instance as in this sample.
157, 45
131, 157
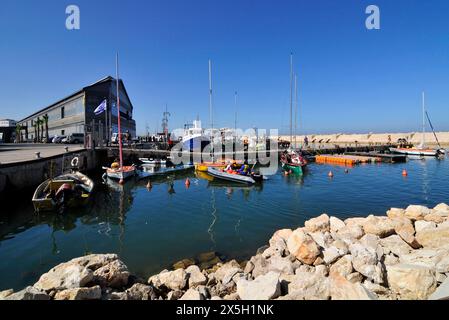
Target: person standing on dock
306, 141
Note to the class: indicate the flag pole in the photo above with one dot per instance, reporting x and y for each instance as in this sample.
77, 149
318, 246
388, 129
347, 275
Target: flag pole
118, 115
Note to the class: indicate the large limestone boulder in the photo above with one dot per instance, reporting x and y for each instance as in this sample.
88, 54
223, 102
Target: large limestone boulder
351, 232
231, 267
343, 266
435, 217
396, 245
172, 280
415, 212
29, 293
309, 286
411, 281
113, 275
342, 289
93, 293
336, 224
264, 287
68, 275
404, 228
379, 226
318, 224
282, 234
423, 225
191, 295
366, 261
433, 238
140, 291
303, 247
442, 207
95, 261
395, 213
196, 277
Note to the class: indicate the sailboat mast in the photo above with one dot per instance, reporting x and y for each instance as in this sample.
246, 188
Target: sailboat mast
210, 97
235, 117
118, 114
291, 95
423, 120
296, 108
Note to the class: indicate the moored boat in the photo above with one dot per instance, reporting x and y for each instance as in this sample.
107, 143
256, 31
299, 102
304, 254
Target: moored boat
151, 161
65, 191
234, 177
293, 162
121, 173
153, 171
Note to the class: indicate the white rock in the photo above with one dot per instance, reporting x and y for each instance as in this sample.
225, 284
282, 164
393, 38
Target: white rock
416, 212
343, 266
93, 293
307, 286
433, 238
196, 277
379, 226
330, 255
441, 207
411, 281
336, 224
318, 224
191, 295
29, 293
442, 293
303, 247
396, 245
423, 225
66, 275
365, 261
173, 280
264, 287
342, 289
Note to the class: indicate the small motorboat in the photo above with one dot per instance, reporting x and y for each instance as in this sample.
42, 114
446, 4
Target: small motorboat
65, 191
154, 162
153, 171
415, 151
293, 162
204, 166
120, 173
234, 177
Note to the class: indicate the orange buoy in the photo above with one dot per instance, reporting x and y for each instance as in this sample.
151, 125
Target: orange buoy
187, 182
330, 174
404, 173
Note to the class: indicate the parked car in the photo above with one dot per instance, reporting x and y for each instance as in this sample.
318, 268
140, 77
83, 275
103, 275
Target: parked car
58, 139
75, 138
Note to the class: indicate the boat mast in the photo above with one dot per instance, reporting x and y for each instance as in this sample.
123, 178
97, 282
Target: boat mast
296, 108
235, 116
423, 120
210, 98
118, 114
291, 96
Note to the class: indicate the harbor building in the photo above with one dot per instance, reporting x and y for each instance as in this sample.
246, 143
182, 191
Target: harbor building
75, 114
7, 130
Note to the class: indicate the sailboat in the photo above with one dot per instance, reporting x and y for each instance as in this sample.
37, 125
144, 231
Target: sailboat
421, 150
118, 171
291, 160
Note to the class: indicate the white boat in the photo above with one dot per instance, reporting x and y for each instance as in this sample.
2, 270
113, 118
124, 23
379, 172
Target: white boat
154, 162
121, 173
216, 173
154, 171
421, 150
194, 137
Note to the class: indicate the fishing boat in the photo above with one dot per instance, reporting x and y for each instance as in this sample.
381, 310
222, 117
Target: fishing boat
293, 162
119, 171
65, 191
234, 177
194, 137
421, 150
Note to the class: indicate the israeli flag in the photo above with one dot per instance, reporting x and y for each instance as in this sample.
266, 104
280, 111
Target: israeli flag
101, 108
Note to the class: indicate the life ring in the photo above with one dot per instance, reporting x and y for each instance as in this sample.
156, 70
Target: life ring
74, 162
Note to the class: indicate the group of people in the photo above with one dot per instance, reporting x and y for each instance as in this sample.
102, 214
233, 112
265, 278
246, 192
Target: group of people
235, 168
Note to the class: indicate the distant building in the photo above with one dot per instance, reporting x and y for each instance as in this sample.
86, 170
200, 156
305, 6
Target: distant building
7, 130
75, 114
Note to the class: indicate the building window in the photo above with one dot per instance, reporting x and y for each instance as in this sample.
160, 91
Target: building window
62, 131
62, 113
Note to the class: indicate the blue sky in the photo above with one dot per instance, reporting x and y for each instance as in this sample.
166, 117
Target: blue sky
350, 79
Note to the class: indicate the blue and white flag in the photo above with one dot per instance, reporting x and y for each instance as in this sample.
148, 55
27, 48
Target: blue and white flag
101, 108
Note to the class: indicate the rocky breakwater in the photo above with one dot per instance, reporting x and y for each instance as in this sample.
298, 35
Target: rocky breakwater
403, 255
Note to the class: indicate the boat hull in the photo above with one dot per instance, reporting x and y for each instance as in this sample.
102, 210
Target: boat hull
293, 169
415, 152
230, 177
42, 202
121, 174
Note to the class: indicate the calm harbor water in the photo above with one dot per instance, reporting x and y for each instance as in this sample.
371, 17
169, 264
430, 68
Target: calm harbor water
152, 229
